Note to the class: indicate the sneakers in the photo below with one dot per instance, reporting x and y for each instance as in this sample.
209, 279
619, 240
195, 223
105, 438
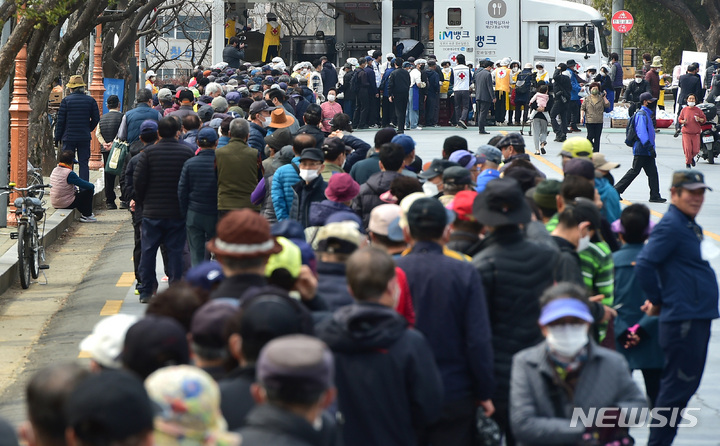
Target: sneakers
124, 205
657, 200
677, 133
462, 124
164, 279
542, 148
111, 205
88, 219
693, 162
144, 298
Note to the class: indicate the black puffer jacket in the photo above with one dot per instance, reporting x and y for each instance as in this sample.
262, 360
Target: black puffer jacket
156, 178
514, 272
369, 196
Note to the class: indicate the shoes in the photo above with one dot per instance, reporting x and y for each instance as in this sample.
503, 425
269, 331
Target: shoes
687, 166
677, 133
517, 124
164, 279
144, 298
88, 219
483, 133
124, 205
418, 128
657, 200
693, 162
462, 124
111, 205
537, 152
393, 125
542, 148
374, 126
657, 130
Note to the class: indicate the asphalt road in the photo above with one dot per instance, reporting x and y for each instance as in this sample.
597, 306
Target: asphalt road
91, 277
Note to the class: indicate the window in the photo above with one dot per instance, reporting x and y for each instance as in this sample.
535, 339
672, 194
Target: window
166, 27
577, 39
543, 37
454, 17
193, 28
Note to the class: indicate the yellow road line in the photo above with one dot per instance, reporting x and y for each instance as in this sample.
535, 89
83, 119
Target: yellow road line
548, 163
84, 355
111, 307
125, 280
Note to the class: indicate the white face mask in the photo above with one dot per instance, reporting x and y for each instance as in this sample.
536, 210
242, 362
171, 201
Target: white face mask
308, 174
331, 98
430, 189
267, 121
567, 340
583, 243
691, 104
638, 80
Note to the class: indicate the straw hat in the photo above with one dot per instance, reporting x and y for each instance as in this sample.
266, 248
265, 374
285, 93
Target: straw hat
76, 81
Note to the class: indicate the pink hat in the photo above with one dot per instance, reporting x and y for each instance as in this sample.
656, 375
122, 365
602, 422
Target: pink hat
342, 188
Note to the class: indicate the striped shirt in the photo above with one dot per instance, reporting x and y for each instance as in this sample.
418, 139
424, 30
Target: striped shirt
598, 269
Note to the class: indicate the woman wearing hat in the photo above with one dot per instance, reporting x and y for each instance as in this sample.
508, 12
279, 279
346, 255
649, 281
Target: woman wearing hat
150, 82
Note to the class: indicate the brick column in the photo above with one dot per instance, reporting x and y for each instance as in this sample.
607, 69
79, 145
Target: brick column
97, 89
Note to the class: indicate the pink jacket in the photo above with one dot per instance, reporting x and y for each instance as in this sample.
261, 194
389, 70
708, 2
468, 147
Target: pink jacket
541, 99
329, 110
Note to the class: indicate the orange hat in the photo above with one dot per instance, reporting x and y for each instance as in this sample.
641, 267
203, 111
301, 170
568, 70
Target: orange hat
279, 119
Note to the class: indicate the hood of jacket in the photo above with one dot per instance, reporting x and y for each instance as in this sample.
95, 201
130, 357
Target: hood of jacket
284, 156
362, 327
321, 210
380, 182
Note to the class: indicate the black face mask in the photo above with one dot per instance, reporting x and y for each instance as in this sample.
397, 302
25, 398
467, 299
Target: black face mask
269, 102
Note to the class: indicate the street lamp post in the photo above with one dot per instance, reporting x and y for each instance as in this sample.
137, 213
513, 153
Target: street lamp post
19, 120
97, 89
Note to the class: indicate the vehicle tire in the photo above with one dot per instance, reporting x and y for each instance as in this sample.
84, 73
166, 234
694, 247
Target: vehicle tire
34, 254
24, 255
711, 157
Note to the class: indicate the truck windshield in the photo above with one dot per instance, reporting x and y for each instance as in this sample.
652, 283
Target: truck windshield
576, 39
603, 41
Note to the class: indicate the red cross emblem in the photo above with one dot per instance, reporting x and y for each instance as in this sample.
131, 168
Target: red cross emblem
461, 75
454, 59
274, 31
501, 73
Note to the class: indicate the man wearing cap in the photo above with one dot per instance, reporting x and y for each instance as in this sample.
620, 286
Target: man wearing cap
512, 147
361, 83
287, 176
634, 90
485, 93
566, 363
681, 286
76, 119
461, 79
488, 161
130, 126
433, 176
455, 179
106, 132
609, 196
392, 161
238, 169
186, 108
207, 336
465, 235
198, 192
388, 384
259, 120
111, 407
467, 160
294, 386
310, 188
105, 343
514, 272
457, 325
432, 94
643, 152
408, 144
576, 147
562, 89
155, 182
165, 101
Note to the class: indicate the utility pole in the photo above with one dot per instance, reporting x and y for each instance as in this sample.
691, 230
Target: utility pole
616, 45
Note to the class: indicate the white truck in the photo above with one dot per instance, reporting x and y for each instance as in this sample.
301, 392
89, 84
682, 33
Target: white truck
551, 31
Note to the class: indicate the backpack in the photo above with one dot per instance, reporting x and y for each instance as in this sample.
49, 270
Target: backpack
522, 85
630, 131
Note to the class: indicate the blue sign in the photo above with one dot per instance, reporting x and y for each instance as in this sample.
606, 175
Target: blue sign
113, 87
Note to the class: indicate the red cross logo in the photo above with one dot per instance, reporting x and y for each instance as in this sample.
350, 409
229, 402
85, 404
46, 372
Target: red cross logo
461, 75
501, 73
454, 59
274, 31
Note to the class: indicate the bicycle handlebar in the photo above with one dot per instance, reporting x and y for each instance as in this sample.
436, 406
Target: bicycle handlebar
25, 189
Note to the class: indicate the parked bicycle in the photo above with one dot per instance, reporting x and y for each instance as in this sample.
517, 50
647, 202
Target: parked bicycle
29, 211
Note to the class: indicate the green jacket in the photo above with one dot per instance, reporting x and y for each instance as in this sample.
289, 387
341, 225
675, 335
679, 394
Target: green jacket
237, 173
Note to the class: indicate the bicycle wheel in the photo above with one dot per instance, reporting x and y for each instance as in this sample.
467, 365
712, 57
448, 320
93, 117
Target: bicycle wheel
23, 255
34, 253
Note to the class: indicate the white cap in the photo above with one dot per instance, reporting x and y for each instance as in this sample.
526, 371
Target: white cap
149, 74
105, 343
298, 66
421, 62
219, 66
389, 56
591, 67
277, 59
505, 62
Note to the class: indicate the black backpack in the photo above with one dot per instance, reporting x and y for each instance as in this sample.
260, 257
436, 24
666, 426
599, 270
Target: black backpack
630, 131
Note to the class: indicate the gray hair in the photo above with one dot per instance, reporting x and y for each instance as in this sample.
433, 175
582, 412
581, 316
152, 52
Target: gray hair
239, 128
212, 88
143, 95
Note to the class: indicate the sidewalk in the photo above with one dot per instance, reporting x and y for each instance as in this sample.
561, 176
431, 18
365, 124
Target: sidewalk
56, 222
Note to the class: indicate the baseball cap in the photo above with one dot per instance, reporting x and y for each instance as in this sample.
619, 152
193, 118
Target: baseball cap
577, 147
148, 126
581, 167
511, 139
259, 106
486, 152
462, 205
105, 343
427, 213
112, 404
406, 141
600, 163
164, 94
457, 176
546, 192
205, 275
689, 179
437, 166
296, 364
381, 218
205, 113
290, 259
186, 95
207, 135
646, 97
208, 323
502, 203
339, 237
154, 342
233, 97
463, 158
312, 154
565, 307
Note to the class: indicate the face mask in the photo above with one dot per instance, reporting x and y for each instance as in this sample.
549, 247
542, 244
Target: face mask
515, 70
446, 70
267, 121
430, 189
595, 91
331, 97
691, 104
308, 174
567, 340
638, 80
269, 102
583, 243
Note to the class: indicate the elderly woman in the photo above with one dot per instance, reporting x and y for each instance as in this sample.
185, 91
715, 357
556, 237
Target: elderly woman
330, 108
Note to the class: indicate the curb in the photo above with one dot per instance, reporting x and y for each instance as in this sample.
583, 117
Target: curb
55, 225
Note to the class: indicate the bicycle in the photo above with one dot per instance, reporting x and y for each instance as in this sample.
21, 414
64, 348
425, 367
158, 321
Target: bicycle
29, 211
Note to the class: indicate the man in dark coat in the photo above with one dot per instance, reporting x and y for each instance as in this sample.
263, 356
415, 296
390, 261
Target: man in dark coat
389, 386
634, 90
76, 119
155, 181
484, 93
392, 161
399, 90
311, 187
514, 272
432, 94
233, 53
106, 132
329, 77
562, 87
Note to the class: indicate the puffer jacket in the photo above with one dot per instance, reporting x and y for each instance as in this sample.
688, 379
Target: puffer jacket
134, 119
321, 210
388, 383
256, 140
282, 192
369, 196
514, 273
332, 285
77, 117
197, 190
157, 176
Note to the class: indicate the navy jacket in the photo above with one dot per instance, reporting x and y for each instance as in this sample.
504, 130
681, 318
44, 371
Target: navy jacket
256, 140
235, 399
329, 77
388, 384
672, 272
332, 285
359, 151
451, 311
363, 170
303, 195
134, 119
197, 190
77, 117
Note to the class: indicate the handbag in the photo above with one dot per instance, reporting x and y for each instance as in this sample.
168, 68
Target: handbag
116, 159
